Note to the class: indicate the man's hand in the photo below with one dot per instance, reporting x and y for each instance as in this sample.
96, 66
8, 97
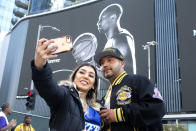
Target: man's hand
13, 122
107, 115
9, 126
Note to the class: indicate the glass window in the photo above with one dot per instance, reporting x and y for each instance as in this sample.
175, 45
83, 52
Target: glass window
38, 6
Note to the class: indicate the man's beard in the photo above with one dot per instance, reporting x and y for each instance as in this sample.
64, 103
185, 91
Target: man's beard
108, 76
27, 123
100, 30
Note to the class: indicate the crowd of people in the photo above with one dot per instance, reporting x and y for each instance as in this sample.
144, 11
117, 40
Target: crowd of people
12, 125
131, 102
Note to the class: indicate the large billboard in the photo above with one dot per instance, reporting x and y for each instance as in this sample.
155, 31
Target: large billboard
127, 25
186, 23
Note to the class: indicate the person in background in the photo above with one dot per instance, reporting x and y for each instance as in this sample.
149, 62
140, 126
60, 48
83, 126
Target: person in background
132, 101
72, 103
26, 125
4, 124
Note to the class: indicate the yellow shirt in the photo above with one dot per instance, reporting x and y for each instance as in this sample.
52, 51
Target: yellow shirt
23, 127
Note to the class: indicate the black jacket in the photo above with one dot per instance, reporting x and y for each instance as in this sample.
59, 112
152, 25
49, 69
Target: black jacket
138, 104
65, 105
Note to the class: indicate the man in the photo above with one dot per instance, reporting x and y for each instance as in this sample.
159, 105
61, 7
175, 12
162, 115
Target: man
117, 37
26, 126
132, 101
4, 124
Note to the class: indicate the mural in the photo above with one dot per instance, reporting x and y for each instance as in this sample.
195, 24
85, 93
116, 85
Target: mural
117, 37
127, 25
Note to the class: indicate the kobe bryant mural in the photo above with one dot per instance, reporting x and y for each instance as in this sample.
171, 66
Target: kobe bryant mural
117, 37
126, 25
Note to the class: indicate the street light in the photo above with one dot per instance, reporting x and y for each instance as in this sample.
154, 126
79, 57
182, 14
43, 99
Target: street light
41, 28
147, 47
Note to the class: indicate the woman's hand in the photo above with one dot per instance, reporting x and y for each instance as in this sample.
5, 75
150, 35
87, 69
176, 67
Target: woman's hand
43, 53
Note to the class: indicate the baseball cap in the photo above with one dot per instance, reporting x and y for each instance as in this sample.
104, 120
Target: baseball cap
108, 52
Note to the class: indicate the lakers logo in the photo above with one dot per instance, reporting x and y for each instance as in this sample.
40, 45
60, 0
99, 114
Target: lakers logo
157, 94
124, 95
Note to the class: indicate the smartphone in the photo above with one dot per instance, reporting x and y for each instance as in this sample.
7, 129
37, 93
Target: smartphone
102, 108
64, 44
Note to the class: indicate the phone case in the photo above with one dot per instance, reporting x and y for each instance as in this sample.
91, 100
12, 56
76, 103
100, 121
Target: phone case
64, 44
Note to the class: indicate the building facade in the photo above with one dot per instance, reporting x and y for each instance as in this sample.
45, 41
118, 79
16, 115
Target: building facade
11, 12
6, 9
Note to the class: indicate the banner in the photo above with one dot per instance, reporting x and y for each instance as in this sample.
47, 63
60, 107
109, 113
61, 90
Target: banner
124, 24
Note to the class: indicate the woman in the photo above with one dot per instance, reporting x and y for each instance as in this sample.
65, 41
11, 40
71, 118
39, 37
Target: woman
72, 103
